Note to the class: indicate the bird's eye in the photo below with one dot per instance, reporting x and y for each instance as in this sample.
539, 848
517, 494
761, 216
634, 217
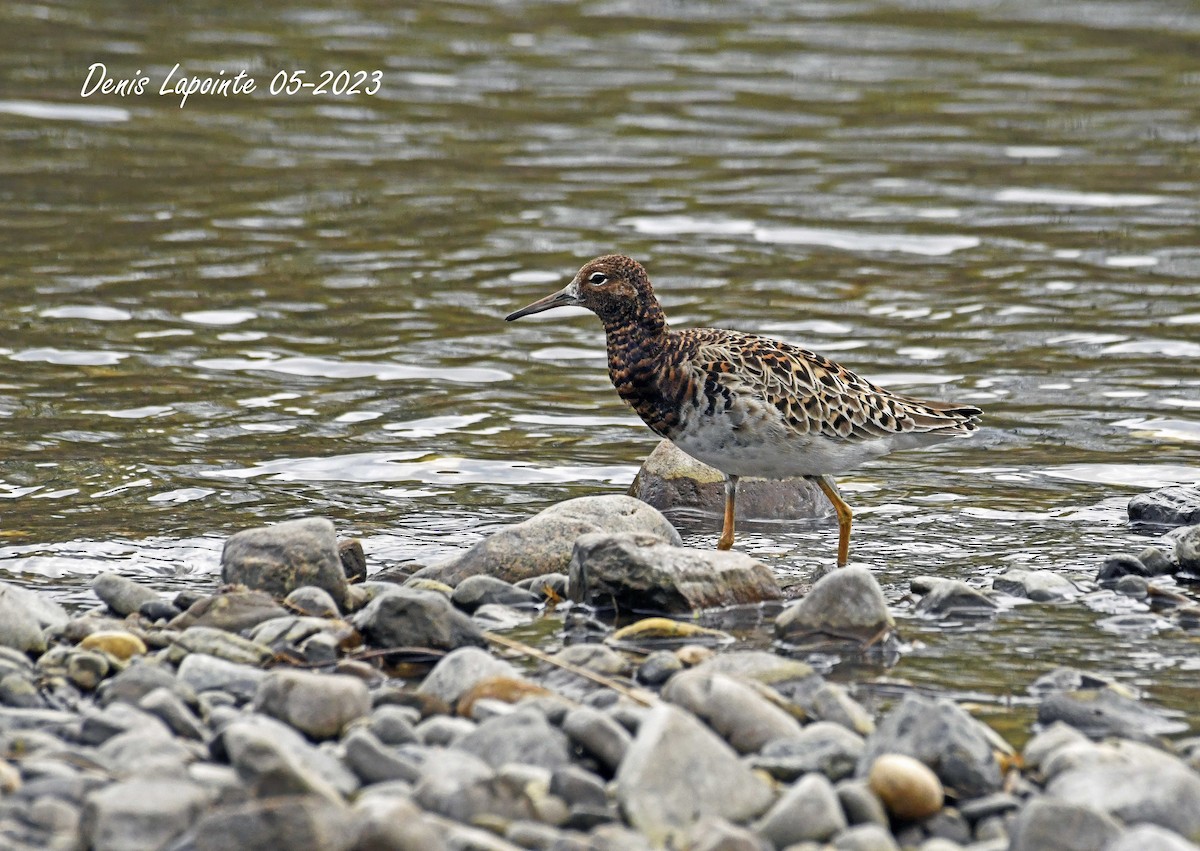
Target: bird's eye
597, 278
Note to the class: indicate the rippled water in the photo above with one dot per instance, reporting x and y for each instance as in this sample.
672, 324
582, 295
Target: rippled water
253, 308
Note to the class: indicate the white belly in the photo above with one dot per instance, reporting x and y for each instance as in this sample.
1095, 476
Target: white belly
767, 450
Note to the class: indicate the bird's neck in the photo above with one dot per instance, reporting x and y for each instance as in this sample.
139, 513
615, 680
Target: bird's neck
643, 361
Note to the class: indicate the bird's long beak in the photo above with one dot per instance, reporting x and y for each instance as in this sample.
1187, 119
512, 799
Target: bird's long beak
566, 296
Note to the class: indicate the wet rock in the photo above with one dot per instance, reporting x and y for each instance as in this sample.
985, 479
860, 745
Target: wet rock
1157, 562
735, 709
524, 737
1037, 585
807, 811
353, 559
273, 759
233, 610
1187, 549
1172, 506
865, 837
543, 543
494, 617
1049, 825
140, 814
287, 821
405, 617
1117, 566
1134, 784
202, 672
280, 558
846, 603
1103, 712
460, 670
1149, 837
546, 586
670, 478
638, 572
480, 590
119, 645
908, 788
311, 601
221, 644
944, 737
318, 705
952, 597
670, 744
24, 616
1133, 586
822, 747
598, 734
122, 595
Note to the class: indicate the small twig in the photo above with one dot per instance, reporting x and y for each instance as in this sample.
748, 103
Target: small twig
636, 695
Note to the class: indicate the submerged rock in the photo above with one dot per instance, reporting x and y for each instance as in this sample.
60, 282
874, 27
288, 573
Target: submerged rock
639, 572
1037, 585
847, 603
670, 478
952, 597
280, 558
1173, 506
544, 543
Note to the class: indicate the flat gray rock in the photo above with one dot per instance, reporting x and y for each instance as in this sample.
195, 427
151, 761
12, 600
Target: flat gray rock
1149, 837
1048, 825
407, 617
639, 572
944, 737
671, 744
543, 543
273, 759
670, 478
285, 556
318, 705
737, 710
847, 603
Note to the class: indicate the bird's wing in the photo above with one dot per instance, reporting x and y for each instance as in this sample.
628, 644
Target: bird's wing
814, 395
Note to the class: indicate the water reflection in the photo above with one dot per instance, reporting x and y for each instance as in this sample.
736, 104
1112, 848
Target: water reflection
254, 309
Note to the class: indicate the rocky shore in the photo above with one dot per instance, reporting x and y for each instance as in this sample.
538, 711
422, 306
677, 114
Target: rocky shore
304, 705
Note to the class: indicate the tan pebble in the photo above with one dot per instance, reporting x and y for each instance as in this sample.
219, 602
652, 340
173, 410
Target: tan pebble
10, 778
908, 788
120, 645
693, 654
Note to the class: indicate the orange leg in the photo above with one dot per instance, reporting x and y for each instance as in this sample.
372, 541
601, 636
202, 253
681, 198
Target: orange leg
844, 515
726, 541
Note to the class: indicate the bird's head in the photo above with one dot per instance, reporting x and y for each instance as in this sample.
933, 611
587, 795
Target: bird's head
614, 287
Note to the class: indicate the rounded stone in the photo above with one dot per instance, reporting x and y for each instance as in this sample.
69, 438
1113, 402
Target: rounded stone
120, 645
318, 705
908, 788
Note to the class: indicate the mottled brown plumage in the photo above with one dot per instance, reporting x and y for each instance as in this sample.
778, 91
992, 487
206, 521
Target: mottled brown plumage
744, 404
